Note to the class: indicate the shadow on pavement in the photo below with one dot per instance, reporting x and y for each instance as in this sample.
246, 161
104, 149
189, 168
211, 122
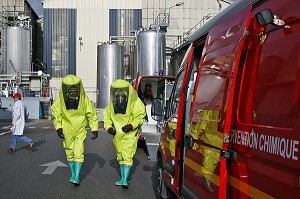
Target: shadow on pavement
35, 146
90, 161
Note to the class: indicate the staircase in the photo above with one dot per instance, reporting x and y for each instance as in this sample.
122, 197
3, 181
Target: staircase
46, 109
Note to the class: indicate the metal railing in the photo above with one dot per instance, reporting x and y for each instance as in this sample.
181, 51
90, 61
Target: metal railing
6, 91
162, 19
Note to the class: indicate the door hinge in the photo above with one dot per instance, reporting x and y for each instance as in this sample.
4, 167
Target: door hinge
225, 154
230, 154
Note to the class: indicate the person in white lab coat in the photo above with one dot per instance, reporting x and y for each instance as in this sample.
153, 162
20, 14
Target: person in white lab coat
20, 114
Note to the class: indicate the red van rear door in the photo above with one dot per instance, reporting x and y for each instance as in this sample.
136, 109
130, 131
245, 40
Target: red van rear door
266, 131
204, 172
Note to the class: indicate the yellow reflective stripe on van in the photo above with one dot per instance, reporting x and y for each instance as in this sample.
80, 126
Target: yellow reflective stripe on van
197, 167
247, 189
238, 184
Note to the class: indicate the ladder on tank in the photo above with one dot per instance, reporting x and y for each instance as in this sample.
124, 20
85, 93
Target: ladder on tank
3, 28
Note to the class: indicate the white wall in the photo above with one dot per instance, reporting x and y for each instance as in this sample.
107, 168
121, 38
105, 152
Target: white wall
32, 104
92, 26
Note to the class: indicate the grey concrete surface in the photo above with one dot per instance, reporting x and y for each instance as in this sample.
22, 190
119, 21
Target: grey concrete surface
21, 174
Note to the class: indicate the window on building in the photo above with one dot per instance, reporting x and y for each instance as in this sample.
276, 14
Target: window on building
59, 41
122, 21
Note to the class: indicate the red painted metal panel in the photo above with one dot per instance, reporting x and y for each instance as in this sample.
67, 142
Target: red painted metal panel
266, 129
212, 107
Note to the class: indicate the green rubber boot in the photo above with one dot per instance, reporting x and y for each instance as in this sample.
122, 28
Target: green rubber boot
120, 183
72, 168
78, 166
126, 175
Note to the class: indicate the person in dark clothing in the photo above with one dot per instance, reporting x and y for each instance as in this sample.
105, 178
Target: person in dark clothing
147, 96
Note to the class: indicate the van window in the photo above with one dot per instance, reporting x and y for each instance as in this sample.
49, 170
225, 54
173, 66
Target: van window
174, 99
211, 87
270, 86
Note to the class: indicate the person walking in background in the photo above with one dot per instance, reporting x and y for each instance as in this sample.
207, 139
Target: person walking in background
19, 115
123, 118
72, 111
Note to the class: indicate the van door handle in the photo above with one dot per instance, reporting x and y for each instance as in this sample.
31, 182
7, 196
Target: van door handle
188, 141
230, 154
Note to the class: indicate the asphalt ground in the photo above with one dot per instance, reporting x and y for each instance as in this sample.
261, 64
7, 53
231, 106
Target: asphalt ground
21, 173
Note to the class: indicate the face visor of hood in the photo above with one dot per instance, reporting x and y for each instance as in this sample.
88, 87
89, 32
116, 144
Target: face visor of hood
120, 99
71, 95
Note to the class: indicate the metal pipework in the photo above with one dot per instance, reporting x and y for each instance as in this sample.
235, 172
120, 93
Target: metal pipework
121, 37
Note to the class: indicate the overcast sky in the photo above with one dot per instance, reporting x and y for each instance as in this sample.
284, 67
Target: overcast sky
37, 6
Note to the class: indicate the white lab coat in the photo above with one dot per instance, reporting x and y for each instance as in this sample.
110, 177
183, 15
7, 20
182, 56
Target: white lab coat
20, 114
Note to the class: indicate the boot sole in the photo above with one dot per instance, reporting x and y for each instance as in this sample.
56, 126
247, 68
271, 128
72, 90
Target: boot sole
119, 184
125, 186
75, 183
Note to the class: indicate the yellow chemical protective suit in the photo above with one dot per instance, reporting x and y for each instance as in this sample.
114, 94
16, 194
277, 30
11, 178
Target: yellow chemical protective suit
125, 143
73, 121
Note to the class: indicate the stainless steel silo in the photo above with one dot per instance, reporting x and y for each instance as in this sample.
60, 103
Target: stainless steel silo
175, 62
18, 49
151, 51
110, 65
134, 63
172, 68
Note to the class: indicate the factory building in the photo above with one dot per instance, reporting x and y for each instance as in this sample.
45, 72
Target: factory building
73, 29
75, 36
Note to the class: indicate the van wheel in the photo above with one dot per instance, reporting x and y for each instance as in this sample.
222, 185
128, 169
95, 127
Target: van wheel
160, 189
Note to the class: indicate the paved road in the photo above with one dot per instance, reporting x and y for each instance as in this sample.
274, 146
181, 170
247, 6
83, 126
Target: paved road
21, 173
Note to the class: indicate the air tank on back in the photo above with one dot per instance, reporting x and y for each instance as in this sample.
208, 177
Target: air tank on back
18, 49
151, 51
110, 64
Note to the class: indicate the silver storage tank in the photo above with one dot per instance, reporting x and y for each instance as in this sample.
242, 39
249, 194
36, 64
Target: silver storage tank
134, 63
151, 51
172, 68
110, 65
18, 49
175, 61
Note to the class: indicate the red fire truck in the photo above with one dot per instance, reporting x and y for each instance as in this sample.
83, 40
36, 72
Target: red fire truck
149, 87
231, 128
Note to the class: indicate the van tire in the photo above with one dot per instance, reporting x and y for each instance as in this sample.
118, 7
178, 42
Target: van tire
158, 182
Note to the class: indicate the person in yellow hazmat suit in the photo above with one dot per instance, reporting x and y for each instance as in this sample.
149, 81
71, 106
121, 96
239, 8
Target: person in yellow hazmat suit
123, 118
72, 111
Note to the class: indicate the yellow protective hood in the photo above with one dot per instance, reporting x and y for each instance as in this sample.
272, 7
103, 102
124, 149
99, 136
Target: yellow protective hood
132, 94
72, 80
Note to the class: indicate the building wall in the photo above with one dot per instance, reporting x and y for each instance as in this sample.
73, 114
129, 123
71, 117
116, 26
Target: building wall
92, 27
8, 3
